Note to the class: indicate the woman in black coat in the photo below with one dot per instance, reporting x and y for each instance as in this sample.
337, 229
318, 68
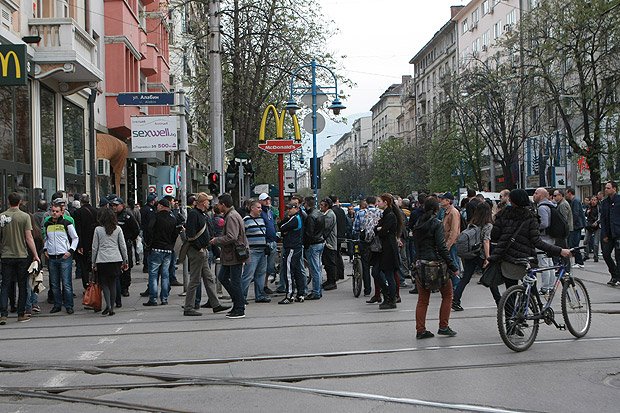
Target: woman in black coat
431, 246
388, 229
518, 215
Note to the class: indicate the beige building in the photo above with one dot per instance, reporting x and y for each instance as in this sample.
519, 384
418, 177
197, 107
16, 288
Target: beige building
385, 114
405, 122
361, 133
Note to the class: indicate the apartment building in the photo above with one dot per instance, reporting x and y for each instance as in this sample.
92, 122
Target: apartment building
434, 65
385, 114
361, 135
53, 53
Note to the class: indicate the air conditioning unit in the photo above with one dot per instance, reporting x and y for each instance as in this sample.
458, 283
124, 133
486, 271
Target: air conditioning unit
6, 19
103, 167
485, 47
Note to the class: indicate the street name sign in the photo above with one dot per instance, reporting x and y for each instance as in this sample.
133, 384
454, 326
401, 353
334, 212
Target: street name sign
145, 99
280, 146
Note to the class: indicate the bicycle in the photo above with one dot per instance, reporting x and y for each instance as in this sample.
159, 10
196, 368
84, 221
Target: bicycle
519, 312
357, 268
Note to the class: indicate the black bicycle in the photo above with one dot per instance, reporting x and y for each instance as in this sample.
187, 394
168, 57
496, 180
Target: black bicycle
356, 280
520, 309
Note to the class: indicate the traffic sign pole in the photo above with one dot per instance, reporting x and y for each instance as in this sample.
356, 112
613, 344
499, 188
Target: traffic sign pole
281, 184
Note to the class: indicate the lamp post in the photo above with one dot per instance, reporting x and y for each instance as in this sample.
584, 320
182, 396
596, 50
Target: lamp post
292, 107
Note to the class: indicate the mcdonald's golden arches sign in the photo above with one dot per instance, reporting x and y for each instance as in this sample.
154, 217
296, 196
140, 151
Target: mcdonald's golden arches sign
13, 65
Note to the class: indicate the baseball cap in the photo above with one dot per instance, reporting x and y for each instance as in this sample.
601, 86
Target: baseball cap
59, 201
164, 202
447, 195
117, 201
151, 197
263, 196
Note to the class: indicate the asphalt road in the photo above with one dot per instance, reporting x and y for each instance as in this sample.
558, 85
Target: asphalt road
333, 355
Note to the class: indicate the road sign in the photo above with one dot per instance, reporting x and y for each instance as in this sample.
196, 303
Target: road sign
145, 99
320, 123
168, 189
280, 146
152, 189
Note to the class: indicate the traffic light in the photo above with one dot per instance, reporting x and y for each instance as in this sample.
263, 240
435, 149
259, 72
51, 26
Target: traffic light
231, 182
214, 183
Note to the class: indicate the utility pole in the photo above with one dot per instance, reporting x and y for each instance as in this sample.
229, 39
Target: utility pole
215, 101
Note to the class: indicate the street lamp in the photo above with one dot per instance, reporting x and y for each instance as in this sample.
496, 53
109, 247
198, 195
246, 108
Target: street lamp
292, 107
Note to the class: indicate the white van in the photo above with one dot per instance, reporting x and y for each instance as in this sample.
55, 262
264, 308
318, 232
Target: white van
493, 196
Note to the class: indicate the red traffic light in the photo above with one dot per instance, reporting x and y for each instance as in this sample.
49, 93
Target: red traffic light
214, 177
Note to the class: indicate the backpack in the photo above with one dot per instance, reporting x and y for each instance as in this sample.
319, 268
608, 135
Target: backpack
464, 217
469, 242
558, 226
371, 219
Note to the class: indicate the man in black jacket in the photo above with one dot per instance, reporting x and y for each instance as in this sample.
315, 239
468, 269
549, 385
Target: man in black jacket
162, 234
131, 230
85, 222
147, 212
292, 245
341, 231
313, 245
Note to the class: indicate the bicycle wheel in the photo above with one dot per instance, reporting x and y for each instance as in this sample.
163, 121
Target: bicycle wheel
357, 277
576, 307
516, 328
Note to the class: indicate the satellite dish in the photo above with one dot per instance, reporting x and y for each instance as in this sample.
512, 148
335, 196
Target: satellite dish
320, 123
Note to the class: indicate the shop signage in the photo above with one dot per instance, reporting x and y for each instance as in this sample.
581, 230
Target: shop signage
13, 65
145, 99
154, 133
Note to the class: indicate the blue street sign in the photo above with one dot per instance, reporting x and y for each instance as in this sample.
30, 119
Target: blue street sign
145, 99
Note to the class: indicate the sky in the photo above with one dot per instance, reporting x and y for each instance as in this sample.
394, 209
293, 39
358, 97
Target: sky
378, 39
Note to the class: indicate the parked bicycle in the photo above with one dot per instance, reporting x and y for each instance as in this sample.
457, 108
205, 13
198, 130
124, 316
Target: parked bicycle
521, 309
356, 280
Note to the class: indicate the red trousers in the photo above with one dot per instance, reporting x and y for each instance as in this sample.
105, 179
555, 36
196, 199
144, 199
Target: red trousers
422, 306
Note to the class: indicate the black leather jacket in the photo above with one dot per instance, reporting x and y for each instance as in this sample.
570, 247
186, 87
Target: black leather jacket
429, 240
313, 227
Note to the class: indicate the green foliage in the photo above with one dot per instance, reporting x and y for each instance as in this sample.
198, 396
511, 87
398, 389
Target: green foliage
398, 168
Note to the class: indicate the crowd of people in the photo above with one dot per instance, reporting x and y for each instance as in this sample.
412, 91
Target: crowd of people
421, 238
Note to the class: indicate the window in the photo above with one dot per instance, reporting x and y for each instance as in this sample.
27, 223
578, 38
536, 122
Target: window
511, 18
475, 46
475, 16
465, 26
73, 132
48, 138
497, 29
485, 38
485, 7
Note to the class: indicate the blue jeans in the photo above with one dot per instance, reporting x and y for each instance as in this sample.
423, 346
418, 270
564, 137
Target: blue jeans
60, 269
230, 277
255, 269
313, 255
271, 259
455, 260
469, 266
574, 239
14, 269
159, 261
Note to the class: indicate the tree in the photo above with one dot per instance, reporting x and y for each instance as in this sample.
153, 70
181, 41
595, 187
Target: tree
570, 53
263, 42
397, 168
347, 180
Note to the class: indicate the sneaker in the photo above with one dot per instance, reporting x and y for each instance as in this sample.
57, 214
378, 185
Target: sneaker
55, 310
286, 300
386, 305
457, 307
446, 332
176, 283
236, 314
374, 299
329, 287
263, 300
267, 290
313, 296
125, 293
105, 312
69, 310
36, 309
144, 293
577, 265
23, 318
616, 283
424, 334
280, 290
206, 305
220, 308
2, 320
150, 304
166, 303
119, 305
300, 298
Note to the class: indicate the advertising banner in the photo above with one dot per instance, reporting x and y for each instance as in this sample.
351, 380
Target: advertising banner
154, 133
13, 65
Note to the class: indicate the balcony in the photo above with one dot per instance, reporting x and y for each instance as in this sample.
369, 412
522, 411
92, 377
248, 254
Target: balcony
66, 52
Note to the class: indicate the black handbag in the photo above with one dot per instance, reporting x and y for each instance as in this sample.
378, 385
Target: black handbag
242, 252
492, 275
432, 274
375, 245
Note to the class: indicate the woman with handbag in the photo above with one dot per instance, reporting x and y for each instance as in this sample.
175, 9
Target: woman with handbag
387, 230
109, 256
592, 229
482, 218
433, 258
517, 235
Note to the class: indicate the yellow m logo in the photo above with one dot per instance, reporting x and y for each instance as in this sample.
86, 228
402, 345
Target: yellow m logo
4, 62
279, 124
